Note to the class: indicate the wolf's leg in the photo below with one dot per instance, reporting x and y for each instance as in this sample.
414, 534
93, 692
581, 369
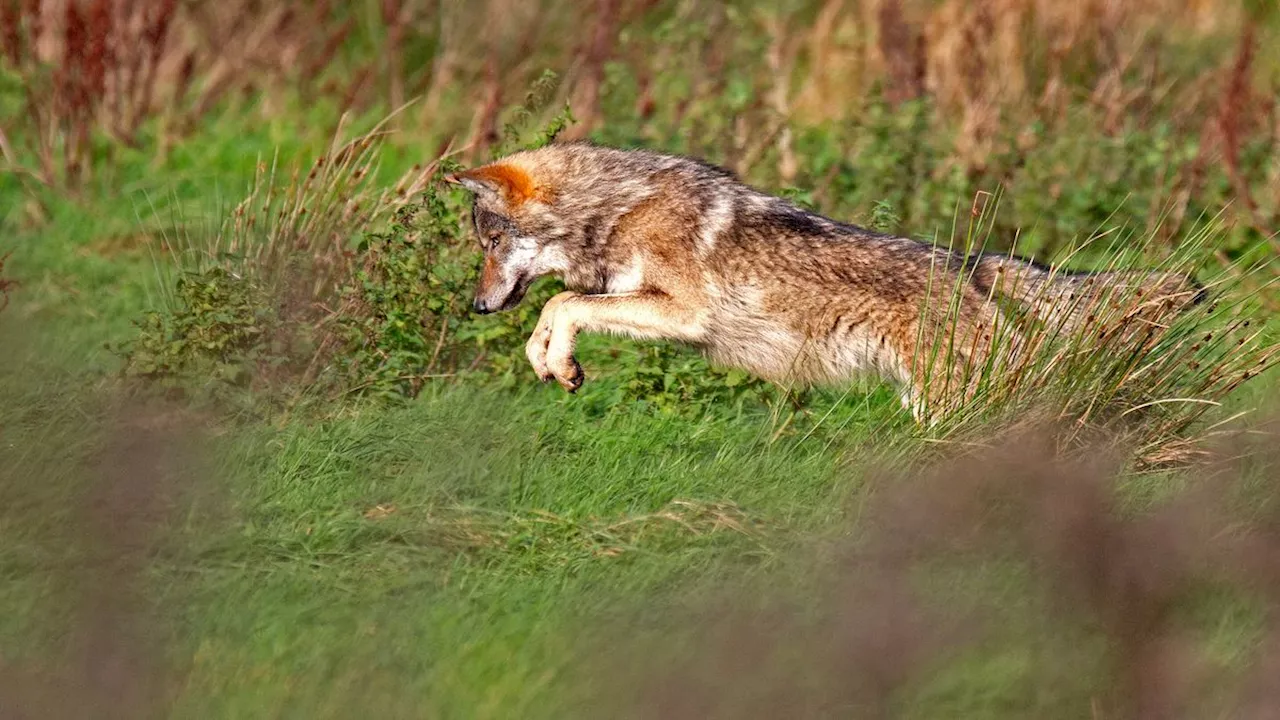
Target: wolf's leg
536, 348
911, 401
954, 360
642, 315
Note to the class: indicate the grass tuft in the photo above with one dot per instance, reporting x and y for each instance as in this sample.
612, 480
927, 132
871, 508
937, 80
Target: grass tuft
1136, 347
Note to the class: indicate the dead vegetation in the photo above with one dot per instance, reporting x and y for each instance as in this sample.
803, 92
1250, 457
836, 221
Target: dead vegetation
6, 284
550, 539
97, 69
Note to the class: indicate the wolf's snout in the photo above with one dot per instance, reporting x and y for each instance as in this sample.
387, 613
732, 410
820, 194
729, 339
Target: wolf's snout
481, 306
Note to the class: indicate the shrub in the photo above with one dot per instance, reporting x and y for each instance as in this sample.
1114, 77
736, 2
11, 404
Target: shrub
327, 282
405, 315
257, 290
215, 331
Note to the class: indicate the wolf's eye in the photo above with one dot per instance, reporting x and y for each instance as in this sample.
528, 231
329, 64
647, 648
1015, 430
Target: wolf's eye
494, 237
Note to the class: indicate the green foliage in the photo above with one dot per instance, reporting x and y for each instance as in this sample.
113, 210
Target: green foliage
216, 328
883, 218
523, 131
674, 380
406, 312
409, 289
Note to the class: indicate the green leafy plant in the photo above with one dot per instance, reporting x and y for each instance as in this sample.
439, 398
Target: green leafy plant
675, 380
329, 282
883, 218
405, 315
215, 329
406, 299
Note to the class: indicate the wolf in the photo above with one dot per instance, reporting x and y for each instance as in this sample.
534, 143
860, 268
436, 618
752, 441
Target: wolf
658, 246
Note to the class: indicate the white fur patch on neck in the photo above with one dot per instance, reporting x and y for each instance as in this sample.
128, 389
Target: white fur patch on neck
551, 259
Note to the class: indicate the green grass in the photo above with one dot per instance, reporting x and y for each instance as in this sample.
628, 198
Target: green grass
457, 556
471, 624
505, 519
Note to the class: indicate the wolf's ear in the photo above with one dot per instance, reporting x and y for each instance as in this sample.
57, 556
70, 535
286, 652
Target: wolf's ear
510, 183
470, 183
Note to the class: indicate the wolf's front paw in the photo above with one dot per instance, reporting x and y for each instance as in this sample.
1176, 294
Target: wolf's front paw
536, 351
547, 364
568, 373
538, 347
561, 343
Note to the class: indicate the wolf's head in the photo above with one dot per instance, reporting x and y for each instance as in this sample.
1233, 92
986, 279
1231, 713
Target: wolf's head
517, 229
551, 211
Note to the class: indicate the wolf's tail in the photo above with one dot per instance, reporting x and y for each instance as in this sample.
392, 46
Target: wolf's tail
1077, 298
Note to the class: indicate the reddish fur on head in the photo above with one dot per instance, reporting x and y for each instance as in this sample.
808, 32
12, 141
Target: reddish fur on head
490, 275
514, 184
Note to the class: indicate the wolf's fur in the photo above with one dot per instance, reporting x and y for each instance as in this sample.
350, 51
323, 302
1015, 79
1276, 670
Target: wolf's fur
660, 246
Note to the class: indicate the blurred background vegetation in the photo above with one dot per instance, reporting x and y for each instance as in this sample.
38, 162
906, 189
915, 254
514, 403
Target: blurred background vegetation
1164, 108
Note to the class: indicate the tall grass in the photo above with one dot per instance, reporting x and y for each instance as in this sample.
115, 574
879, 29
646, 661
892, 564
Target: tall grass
253, 295
295, 229
1134, 349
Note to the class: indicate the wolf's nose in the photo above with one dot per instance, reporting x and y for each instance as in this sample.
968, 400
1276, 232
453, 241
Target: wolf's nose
481, 306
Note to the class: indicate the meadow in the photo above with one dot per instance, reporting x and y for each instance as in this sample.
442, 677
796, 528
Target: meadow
259, 459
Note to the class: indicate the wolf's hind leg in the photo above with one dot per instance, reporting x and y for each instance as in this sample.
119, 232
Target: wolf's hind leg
644, 315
